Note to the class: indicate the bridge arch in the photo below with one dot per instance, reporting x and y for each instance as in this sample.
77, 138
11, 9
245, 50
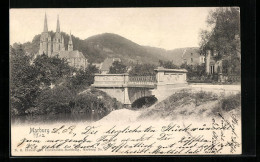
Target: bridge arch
144, 101
136, 93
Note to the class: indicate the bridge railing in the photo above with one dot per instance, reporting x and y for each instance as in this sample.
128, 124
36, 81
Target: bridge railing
142, 79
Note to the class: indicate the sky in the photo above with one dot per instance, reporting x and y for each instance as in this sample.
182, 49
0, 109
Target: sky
166, 28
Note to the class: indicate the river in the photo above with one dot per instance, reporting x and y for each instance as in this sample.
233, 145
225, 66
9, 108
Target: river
56, 118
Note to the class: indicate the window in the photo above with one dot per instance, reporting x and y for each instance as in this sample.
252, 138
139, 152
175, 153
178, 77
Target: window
212, 69
202, 59
191, 59
215, 53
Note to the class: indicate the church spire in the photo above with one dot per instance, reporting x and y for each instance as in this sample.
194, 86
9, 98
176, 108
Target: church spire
58, 25
45, 29
70, 44
70, 41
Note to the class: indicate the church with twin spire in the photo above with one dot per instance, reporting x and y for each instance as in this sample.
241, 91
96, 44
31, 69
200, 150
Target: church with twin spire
56, 47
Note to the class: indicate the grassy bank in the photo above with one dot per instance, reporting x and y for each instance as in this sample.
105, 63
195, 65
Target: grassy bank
184, 104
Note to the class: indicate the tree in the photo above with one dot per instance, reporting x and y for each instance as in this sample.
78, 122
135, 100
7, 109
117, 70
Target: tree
27, 80
82, 79
51, 69
224, 36
117, 68
53, 101
194, 71
95, 100
167, 64
24, 86
142, 70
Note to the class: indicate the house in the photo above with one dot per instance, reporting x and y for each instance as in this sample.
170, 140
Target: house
192, 56
212, 66
108, 62
189, 56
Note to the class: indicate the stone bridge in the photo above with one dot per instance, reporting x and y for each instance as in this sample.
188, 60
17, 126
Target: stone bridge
129, 89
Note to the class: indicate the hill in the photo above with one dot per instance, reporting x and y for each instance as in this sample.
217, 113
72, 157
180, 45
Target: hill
98, 47
112, 45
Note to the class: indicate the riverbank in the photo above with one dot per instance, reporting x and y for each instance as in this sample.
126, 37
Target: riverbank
181, 106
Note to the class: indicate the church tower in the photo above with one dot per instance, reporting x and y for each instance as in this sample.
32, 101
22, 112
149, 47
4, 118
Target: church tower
58, 40
70, 44
45, 40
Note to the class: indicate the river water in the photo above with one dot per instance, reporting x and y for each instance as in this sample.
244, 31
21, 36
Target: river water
56, 118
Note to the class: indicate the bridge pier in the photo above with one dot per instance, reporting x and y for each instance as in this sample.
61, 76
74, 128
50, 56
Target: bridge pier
127, 101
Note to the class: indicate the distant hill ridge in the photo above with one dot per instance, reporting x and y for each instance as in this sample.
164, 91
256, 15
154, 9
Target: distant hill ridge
98, 47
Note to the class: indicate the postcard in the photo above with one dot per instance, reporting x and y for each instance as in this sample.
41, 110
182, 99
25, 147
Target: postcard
125, 81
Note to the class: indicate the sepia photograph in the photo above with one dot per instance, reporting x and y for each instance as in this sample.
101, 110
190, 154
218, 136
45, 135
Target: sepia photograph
125, 81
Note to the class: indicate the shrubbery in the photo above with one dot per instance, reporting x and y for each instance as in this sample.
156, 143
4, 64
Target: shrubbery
93, 100
81, 80
53, 101
167, 64
231, 102
196, 73
142, 70
117, 68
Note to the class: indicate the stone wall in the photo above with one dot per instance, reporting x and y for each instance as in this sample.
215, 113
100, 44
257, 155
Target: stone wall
110, 80
171, 76
117, 93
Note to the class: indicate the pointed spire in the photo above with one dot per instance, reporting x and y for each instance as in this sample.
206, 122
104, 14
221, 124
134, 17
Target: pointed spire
45, 29
70, 44
58, 25
70, 41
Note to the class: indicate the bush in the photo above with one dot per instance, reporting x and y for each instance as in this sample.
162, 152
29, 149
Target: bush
195, 72
202, 96
82, 79
96, 101
117, 68
84, 103
231, 102
142, 70
53, 101
167, 64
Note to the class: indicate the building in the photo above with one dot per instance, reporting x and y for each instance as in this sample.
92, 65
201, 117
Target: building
189, 56
108, 62
55, 47
192, 56
212, 66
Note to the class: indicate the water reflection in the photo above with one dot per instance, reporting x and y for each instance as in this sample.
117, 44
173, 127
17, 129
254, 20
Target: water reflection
56, 118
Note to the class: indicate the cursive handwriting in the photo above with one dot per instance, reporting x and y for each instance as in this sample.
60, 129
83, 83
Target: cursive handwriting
220, 136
